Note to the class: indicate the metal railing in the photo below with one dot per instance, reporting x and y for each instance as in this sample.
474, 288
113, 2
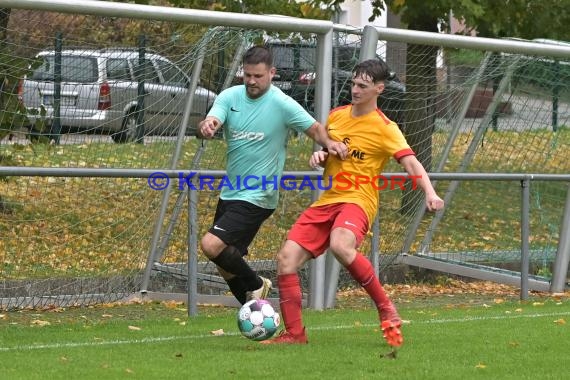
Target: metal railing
525, 180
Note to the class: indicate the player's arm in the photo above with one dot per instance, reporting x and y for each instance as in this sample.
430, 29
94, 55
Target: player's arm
420, 178
318, 133
207, 128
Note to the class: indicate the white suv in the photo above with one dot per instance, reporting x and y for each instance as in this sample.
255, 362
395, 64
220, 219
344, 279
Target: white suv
99, 91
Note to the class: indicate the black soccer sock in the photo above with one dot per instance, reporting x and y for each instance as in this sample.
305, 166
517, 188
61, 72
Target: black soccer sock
231, 260
237, 287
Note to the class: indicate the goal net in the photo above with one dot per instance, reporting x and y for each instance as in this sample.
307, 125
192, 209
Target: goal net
80, 240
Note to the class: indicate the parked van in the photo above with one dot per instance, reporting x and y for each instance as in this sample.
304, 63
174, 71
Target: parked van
99, 93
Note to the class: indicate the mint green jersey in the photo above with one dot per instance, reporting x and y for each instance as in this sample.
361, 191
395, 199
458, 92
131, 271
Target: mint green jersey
256, 132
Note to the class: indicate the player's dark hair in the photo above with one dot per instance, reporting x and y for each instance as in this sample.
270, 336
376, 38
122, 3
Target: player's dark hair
374, 68
258, 54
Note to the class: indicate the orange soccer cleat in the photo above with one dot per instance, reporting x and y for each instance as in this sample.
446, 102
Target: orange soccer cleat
390, 325
391, 332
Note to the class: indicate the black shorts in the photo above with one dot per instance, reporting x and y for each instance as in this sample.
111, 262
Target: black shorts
236, 222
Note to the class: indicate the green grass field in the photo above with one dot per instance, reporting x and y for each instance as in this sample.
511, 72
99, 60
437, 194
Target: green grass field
446, 337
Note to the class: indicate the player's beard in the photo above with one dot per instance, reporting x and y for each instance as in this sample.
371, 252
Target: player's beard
255, 92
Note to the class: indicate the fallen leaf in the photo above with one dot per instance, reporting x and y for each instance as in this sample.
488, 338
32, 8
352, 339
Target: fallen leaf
519, 310
134, 328
107, 316
481, 366
171, 304
560, 321
217, 332
537, 303
39, 322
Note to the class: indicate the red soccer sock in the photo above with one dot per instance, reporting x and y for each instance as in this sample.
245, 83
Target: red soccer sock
362, 271
290, 301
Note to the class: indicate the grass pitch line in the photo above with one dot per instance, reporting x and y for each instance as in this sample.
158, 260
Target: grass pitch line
159, 339
496, 317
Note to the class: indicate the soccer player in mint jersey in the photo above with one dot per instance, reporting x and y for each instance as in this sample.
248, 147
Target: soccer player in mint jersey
341, 217
256, 118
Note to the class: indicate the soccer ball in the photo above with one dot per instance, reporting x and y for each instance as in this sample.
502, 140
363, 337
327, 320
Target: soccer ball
257, 320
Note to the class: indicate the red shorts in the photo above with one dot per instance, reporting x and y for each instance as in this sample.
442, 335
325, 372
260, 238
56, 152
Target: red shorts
312, 229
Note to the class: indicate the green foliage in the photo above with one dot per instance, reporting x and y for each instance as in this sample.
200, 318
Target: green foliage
546, 75
490, 18
267, 7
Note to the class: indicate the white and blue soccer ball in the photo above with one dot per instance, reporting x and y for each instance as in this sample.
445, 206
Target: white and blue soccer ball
257, 320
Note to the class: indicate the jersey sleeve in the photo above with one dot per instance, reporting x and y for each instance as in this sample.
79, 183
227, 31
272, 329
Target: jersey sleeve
221, 105
395, 143
296, 117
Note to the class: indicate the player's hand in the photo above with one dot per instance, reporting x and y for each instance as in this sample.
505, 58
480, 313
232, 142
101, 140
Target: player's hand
434, 203
208, 127
318, 159
338, 149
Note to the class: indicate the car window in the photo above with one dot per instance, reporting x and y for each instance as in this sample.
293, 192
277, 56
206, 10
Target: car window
172, 75
73, 69
151, 75
294, 57
283, 57
118, 69
307, 58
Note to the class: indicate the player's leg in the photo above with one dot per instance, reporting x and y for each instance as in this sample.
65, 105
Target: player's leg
308, 238
290, 259
225, 244
348, 232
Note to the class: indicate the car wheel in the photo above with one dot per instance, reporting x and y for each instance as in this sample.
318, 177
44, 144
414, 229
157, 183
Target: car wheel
128, 132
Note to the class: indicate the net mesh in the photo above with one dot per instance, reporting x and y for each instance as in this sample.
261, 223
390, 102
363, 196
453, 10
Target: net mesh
78, 240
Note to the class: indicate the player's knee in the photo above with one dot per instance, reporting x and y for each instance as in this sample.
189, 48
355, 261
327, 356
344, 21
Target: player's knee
343, 253
286, 263
209, 247
291, 258
282, 260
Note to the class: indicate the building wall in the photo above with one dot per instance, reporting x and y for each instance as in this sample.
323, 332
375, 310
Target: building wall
357, 12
